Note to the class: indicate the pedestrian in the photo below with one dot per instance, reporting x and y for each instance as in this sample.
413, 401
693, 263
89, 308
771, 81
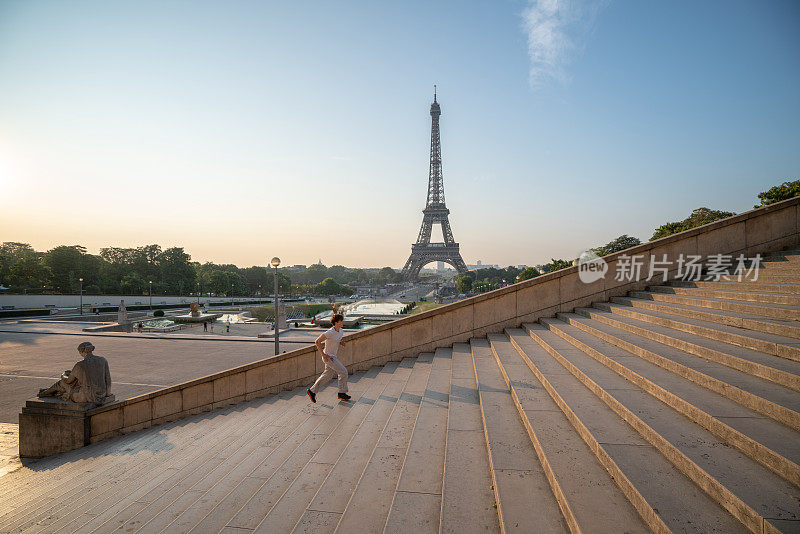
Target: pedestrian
205, 326
228, 325
333, 339
212, 325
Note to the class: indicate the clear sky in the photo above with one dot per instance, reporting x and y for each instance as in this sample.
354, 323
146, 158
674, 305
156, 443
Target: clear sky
244, 130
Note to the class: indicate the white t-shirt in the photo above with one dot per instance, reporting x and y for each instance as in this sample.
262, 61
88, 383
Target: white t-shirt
332, 339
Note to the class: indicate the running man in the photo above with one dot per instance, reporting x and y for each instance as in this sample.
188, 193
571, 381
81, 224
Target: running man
333, 339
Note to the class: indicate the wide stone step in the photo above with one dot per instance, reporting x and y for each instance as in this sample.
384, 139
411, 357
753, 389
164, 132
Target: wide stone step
755, 393
750, 492
196, 480
727, 294
524, 500
773, 311
746, 321
417, 501
97, 493
776, 277
282, 514
756, 287
790, 254
568, 462
369, 415
788, 267
371, 501
781, 346
145, 495
38, 473
658, 489
782, 371
275, 464
302, 462
766, 441
468, 505
34, 483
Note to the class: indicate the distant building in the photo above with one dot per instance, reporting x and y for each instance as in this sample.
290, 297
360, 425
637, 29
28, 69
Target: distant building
481, 265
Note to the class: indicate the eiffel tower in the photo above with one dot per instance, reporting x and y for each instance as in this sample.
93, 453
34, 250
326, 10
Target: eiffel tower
423, 251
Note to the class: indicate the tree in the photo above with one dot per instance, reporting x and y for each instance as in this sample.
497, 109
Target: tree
361, 277
464, 284
699, 217
133, 284
117, 264
556, 265
510, 274
527, 274
21, 267
339, 273
10, 253
284, 283
176, 273
621, 243
28, 271
65, 263
316, 273
145, 261
485, 285
255, 278
387, 275
329, 287
779, 192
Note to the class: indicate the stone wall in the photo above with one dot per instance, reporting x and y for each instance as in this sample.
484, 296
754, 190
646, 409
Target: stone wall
766, 229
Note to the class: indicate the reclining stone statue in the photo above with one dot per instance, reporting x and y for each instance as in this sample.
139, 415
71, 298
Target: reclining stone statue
88, 382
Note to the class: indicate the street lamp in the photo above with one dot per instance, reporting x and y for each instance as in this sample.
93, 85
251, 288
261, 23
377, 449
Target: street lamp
275, 262
151, 294
81, 291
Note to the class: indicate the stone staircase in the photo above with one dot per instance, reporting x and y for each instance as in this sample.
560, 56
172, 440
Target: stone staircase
675, 409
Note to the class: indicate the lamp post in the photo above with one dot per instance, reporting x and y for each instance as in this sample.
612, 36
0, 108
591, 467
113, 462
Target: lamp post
81, 291
151, 294
275, 262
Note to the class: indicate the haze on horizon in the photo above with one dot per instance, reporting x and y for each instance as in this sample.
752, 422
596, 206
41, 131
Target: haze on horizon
245, 130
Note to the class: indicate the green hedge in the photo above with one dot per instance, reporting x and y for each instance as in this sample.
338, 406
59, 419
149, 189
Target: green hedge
23, 313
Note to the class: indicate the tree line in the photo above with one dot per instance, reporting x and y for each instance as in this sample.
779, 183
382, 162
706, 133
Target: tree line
66, 269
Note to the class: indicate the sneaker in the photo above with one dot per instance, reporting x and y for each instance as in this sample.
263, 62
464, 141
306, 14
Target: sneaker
312, 396
344, 396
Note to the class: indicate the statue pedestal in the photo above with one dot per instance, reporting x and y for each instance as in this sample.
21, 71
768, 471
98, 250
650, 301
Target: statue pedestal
50, 425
